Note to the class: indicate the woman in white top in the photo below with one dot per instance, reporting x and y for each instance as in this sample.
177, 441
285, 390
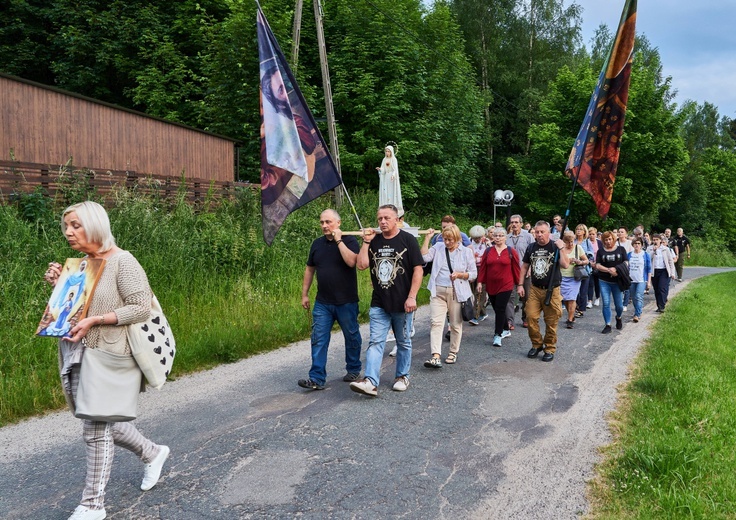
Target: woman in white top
449, 286
479, 245
663, 267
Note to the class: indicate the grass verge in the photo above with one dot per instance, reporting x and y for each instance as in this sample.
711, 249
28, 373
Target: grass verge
673, 455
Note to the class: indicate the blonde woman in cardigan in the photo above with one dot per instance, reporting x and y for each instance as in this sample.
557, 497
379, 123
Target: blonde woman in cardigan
122, 296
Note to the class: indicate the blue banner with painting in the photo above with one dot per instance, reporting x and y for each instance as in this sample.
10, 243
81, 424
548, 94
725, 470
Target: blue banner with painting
296, 166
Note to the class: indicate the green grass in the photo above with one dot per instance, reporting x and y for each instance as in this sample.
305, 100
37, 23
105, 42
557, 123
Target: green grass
226, 294
674, 454
710, 254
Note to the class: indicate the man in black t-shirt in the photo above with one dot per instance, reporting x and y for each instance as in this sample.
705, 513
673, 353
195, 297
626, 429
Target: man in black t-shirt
332, 258
682, 245
395, 263
545, 272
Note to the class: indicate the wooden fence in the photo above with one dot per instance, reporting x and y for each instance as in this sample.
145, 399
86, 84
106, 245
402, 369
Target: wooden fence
18, 177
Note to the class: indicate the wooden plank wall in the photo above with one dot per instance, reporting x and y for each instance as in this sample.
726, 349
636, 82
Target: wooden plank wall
17, 177
47, 127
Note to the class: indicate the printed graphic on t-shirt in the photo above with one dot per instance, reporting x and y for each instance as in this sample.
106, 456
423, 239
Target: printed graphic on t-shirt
387, 265
541, 263
610, 257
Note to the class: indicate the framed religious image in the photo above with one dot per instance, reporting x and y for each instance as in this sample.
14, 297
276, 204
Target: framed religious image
70, 299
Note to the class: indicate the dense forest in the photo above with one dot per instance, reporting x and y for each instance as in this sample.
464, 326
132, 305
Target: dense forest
478, 94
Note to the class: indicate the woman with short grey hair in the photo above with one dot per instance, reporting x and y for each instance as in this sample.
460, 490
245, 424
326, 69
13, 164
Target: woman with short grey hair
122, 296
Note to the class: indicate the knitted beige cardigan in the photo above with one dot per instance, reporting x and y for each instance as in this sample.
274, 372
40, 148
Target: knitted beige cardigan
122, 288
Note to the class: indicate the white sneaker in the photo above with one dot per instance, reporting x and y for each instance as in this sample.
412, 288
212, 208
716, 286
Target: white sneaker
597, 302
590, 304
85, 513
393, 351
390, 337
152, 472
625, 308
483, 317
364, 386
505, 334
496, 341
401, 383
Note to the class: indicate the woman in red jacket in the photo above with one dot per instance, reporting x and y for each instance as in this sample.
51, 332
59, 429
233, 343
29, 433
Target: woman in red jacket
499, 271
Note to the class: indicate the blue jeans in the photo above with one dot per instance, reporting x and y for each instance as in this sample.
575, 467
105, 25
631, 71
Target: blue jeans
608, 289
323, 318
381, 321
637, 289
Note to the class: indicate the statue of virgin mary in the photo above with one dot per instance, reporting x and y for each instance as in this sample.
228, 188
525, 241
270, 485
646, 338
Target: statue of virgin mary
389, 188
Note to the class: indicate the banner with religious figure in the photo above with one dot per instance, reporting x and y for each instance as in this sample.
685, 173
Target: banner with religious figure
296, 166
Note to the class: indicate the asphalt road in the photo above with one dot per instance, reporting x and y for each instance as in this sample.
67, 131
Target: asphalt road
495, 436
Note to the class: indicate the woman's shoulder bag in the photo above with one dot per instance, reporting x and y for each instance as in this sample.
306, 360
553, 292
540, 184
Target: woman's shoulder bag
153, 346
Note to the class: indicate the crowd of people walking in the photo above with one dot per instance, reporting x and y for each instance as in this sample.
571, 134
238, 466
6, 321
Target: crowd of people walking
540, 271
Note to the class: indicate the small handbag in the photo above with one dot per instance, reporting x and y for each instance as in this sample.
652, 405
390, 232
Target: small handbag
108, 387
467, 307
580, 272
153, 346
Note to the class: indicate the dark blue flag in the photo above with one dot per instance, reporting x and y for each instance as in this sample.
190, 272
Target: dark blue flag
296, 166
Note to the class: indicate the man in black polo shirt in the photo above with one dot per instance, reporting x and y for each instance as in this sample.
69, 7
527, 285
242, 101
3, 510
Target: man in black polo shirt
682, 248
540, 258
333, 258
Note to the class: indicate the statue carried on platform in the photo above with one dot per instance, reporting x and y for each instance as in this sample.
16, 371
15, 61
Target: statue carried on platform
389, 189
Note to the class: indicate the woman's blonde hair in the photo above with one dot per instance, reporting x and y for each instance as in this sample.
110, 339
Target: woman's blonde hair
93, 218
584, 227
452, 231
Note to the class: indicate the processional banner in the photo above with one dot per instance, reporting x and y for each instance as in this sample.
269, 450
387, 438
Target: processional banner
296, 166
594, 157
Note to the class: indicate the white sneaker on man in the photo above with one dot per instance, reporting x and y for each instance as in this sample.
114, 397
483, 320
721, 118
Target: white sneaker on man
505, 334
401, 383
152, 471
85, 513
393, 351
364, 386
590, 304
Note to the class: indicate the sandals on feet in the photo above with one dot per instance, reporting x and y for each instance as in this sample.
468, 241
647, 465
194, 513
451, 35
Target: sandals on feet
433, 362
451, 358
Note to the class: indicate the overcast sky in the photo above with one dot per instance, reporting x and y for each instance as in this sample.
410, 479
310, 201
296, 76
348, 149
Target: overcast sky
696, 40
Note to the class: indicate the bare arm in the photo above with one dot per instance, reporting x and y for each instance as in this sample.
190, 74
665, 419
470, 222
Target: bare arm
363, 260
306, 284
522, 277
427, 237
564, 259
416, 282
349, 257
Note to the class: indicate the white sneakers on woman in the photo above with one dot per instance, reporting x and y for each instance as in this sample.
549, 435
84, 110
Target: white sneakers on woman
85, 513
152, 471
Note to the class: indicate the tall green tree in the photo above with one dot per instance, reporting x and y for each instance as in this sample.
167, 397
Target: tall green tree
405, 79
